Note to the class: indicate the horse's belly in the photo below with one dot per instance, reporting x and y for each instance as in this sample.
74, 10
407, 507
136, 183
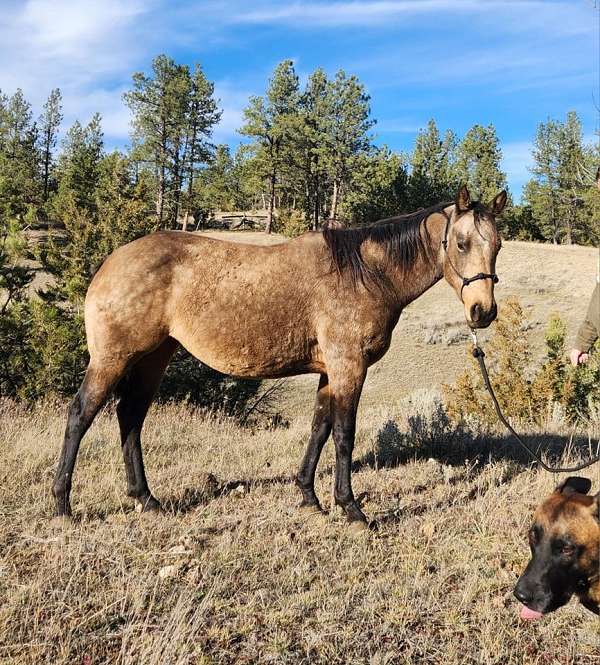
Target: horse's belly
244, 355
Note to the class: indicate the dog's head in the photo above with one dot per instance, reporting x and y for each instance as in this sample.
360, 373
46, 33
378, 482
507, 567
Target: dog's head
565, 547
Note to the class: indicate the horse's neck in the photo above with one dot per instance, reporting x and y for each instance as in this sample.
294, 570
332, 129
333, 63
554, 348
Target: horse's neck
427, 270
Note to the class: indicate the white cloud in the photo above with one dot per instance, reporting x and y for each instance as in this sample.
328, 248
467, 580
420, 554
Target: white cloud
81, 47
68, 28
380, 12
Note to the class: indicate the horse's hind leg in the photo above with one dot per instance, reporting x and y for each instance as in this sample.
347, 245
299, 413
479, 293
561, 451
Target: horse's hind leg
97, 384
136, 393
320, 431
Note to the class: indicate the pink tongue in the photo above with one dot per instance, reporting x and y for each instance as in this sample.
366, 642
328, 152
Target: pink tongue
529, 615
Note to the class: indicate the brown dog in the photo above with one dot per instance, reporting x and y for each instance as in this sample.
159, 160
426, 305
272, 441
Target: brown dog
565, 552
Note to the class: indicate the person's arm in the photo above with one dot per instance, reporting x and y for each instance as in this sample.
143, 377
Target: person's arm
589, 330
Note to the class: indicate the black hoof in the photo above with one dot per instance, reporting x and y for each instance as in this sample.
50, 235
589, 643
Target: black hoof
355, 514
148, 504
310, 507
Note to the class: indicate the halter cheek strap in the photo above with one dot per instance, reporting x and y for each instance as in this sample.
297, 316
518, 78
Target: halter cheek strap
465, 280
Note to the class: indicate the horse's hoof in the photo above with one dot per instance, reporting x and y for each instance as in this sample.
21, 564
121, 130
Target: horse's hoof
61, 522
148, 505
358, 528
310, 509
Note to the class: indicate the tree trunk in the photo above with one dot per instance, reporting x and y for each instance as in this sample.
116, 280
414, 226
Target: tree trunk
317, 185
160, 199
271, 204
334, 199
162, 154
317, 204
48, 139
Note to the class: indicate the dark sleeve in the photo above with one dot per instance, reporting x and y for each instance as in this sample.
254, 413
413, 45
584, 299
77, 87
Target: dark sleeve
590, 328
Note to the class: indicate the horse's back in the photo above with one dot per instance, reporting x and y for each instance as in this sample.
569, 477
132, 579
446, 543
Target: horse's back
240, 308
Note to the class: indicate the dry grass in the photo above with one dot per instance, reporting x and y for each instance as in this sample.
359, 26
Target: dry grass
234, 573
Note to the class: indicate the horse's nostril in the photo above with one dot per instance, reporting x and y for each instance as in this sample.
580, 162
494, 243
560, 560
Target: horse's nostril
475, 313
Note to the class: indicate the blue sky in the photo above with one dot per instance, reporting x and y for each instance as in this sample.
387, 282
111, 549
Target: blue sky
510, 62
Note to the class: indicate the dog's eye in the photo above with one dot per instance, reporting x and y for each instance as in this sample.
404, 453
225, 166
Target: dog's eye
567, 549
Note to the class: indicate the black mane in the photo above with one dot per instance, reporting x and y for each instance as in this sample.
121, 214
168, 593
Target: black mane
400, 236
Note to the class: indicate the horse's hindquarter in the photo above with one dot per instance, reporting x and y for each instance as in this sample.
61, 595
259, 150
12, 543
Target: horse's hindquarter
247, 310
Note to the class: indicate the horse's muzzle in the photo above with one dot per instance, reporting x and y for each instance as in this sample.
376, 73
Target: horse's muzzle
481, 318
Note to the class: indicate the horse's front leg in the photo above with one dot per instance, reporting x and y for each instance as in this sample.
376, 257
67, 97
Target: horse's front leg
346, 386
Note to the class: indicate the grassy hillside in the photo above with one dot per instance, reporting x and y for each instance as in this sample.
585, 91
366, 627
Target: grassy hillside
233, 573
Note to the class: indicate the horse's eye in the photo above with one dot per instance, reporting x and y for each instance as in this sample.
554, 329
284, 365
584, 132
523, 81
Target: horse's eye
462, 246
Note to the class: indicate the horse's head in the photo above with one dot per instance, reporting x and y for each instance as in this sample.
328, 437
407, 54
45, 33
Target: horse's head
471, 244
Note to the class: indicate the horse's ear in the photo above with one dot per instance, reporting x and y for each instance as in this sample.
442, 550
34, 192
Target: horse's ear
574, 484
463, 199
499, 202
598, 178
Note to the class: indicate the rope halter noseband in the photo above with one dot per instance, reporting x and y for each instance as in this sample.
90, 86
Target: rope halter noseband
465, 280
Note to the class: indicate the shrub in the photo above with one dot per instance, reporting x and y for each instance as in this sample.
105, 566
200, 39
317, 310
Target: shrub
525, 394
291, 223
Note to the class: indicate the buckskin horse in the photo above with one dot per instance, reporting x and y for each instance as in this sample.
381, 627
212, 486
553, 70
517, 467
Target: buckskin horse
325, 303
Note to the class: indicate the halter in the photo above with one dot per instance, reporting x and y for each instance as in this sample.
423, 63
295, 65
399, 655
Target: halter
465, 280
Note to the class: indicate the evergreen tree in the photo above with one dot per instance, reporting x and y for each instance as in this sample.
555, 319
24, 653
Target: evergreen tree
217, 182
174, 112
432, 177
20, 194
270, 122
561, 195
378, 189
49, 124
347, 132
570, 181
316, 110
478, 163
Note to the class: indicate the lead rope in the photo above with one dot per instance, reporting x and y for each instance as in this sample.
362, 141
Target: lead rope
479, 355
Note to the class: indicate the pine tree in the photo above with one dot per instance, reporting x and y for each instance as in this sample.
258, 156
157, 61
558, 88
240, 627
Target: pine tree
49, 124
20, 194
378, 189
270, 122
478, 163
316, 111
432, 177
570, 176
561, 194
347, 132
217, 181
174, 112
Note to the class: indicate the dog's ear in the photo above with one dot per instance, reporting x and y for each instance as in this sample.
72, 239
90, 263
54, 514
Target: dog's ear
574, 484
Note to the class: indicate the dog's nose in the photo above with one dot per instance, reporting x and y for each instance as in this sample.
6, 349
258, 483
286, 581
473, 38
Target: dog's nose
522, 594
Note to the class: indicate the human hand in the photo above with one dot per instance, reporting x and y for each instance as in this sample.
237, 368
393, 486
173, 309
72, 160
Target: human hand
578, 357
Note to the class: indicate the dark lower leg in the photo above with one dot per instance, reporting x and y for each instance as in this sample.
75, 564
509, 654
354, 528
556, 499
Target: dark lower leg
320, 430
137, 391
343, 435
83, 409
345, 404
131, 418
